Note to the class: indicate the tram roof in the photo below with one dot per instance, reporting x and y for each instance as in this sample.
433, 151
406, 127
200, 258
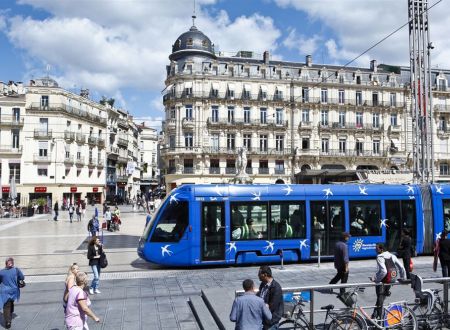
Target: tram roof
262, 191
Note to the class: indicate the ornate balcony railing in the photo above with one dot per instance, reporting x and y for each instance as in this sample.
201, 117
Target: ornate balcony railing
42, 134
42, 158
10, 120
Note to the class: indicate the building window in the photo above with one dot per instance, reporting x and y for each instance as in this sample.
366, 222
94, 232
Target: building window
305, 116
443, 169
376, 120
305, 94
263, 93
263, 115
341, 96
279, 142
324, 95
278, 94
358, 98
188, 166
325, 145
215, 142
43, 148
279, 116
394, 121
358, 80
214, 166
214, 113
375, 99
342, 145
189, 140
42, 171
442, 124
230, 93
341, 118
16, 114
44, 101
263, 142
214, 91
230, 115
246, 115
188, 91
359, 119
15, 138
442, 84
172, 142
189, 42
231, 143
359, 147
247, 142
324, 117
172, 113
14, 170
341, 78
43, 125
279, 166
393, 99
305, 143
376, 147
189, 115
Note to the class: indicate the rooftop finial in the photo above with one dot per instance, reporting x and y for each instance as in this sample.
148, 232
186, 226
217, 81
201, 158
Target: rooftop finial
194, 16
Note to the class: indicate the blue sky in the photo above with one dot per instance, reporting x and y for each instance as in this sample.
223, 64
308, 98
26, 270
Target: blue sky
119, 48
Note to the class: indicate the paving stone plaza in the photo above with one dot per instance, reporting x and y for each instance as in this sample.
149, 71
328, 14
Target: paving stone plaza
135, 294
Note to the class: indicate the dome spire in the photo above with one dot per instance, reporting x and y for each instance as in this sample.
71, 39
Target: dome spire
193, 17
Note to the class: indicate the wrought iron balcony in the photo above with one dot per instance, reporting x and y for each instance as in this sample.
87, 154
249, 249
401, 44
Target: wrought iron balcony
42, 158
122, 142
188, 170
69, 136
10, 120
263, 170
68, 159
230, 170
42, 134
8, 149
113, 150
100, 142
214, 170
92, 140
280, 171
79, 161
80, 138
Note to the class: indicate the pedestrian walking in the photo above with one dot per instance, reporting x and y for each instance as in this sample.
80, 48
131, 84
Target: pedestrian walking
95, 250
388, 269
272, 294
442, 252
70, 282
56, 210
341, 261
83, 209
78, 211
78, 303
93, 226
404, 251
10, 277
108, 218
71, 211
249, 311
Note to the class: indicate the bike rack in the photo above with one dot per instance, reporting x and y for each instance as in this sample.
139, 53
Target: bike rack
312, 288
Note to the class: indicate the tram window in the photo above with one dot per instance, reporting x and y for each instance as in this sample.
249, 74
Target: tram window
172, 223
400, 214
248, 221
287, 220
446, 208
365, 218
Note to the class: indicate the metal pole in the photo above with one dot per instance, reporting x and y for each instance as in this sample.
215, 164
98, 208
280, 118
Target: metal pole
282, 260
311, 308
318, 253
429, 47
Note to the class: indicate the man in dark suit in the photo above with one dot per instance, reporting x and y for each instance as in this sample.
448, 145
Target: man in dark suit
270, 291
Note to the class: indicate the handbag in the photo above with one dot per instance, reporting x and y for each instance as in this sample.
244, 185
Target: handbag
20, 283
103, 260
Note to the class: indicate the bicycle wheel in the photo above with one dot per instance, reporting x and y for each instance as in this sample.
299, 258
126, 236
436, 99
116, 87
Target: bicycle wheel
346, 322
409, 320
298, 324
436, 318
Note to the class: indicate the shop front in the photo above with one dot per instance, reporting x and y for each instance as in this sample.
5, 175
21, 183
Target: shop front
94, 197
42, 199
72, 197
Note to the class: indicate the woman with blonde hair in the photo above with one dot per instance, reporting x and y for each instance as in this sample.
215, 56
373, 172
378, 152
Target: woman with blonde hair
70, 282
78, 303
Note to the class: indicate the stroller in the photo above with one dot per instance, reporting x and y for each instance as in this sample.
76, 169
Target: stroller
115, 223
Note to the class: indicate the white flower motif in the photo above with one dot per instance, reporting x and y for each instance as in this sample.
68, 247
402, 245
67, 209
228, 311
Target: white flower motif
165, 249
357, 245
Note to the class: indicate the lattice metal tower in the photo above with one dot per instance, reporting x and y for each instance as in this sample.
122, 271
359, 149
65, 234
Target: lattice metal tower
421, 92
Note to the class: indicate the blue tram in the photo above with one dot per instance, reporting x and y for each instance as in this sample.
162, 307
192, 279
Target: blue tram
237, 224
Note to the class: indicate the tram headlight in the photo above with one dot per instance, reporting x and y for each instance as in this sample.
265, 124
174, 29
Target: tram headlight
141, 244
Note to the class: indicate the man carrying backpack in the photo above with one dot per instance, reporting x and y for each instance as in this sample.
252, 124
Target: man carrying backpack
389, 269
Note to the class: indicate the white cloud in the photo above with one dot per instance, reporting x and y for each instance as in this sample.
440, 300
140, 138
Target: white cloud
357, 25
301, 43
111, 45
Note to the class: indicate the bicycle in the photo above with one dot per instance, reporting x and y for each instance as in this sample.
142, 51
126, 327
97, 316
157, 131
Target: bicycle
428, 305
396, 315
297, 318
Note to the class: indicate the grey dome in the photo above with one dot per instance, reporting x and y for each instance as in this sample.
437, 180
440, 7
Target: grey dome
192, 42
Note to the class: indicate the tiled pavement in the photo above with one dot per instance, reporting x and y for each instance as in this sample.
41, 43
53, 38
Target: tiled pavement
135, 295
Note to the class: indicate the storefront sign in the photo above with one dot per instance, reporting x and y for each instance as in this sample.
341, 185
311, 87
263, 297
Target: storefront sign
40, 189
95, 189
73, 189
5, 189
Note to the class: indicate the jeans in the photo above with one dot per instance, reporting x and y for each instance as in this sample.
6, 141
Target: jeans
341, 275
445, 264
56, 216
8, 310
406, 264
96, 280
382, 292
71, 216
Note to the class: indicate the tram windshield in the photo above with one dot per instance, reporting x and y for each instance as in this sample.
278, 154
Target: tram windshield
171, 223
149, 226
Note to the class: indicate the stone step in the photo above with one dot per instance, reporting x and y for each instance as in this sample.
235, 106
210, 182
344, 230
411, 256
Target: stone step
219, 302
202, 314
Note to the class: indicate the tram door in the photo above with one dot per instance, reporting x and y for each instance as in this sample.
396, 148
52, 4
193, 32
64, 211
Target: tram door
400, 214
213, 232
327, 225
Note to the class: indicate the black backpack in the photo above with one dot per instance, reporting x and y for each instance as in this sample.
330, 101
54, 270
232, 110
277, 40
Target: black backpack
392, 273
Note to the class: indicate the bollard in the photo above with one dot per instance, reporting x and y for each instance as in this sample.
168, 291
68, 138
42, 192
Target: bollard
318, 253
282, 260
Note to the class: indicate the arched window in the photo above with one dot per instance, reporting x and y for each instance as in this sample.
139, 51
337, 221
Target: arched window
205, 43
305, 167
189, 42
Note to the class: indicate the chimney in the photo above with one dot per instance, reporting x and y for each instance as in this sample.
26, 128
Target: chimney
309, 60
266, 57
373, 65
